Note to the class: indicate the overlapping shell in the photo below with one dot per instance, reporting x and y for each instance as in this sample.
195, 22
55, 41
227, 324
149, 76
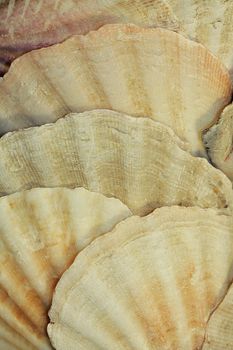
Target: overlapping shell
139, 161
218, 140
41, 232
142, 72
219, 334
149, 284
49, 22
208, 22
177, 261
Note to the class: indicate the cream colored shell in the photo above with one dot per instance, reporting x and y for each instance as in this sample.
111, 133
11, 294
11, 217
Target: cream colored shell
139, 161
149, 284
154, 73
41, 232
50, 22
218, 141
208, 22
219, 334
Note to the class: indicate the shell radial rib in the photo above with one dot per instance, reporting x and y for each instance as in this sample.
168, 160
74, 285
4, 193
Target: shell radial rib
139, 161
219, 142
148, 72
42, 231
149, 284
50, 22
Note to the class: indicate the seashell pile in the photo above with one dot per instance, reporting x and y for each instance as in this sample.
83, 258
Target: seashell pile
116, 171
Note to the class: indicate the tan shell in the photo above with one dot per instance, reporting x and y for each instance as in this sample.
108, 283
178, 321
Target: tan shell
139, 161
218, 141
50, 22
208, 22
42, 230
142, 72
149, 284
12, 340
219, 334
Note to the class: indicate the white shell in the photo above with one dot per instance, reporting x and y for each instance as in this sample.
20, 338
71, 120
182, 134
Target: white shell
208, 22
142, 72
218, 141
41, 232
219, 334
149, 284
139, 161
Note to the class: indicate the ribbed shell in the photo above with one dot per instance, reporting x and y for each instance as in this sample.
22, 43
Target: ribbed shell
149, 284
139, 161
208, 22
154, 73
41, 232
219, 334
50, 22
12, 340
218, 141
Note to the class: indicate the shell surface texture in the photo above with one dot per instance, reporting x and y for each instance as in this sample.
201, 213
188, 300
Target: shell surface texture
146, 72
149, 284
219, 334
208, 22
137, 93
218, 141
41, 232
139, 161
50, 22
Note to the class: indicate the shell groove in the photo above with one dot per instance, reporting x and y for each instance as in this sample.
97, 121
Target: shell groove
52, 22
146, 72
208, 22
218, 141
41, 232
219, 334
151, 283
139, 161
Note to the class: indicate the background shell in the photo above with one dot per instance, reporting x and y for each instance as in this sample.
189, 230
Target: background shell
218, 141
49, 22
219, 334
208, 22
143, 72
149, 284
139, 161
41, 232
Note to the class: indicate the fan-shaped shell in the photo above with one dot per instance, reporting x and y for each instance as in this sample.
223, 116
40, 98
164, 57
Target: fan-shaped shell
143, 72
149, 284
219, 334
139, 161
41, 232
50, 22
218, 141
208, 22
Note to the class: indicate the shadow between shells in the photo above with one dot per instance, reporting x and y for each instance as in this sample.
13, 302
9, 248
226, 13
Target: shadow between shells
114, 233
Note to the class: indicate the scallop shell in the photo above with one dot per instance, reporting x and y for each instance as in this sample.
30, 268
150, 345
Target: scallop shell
218, 141
142, 72
149, 284
139, 161
41, 232
50, 22
219, 333
210, 23
12, 340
